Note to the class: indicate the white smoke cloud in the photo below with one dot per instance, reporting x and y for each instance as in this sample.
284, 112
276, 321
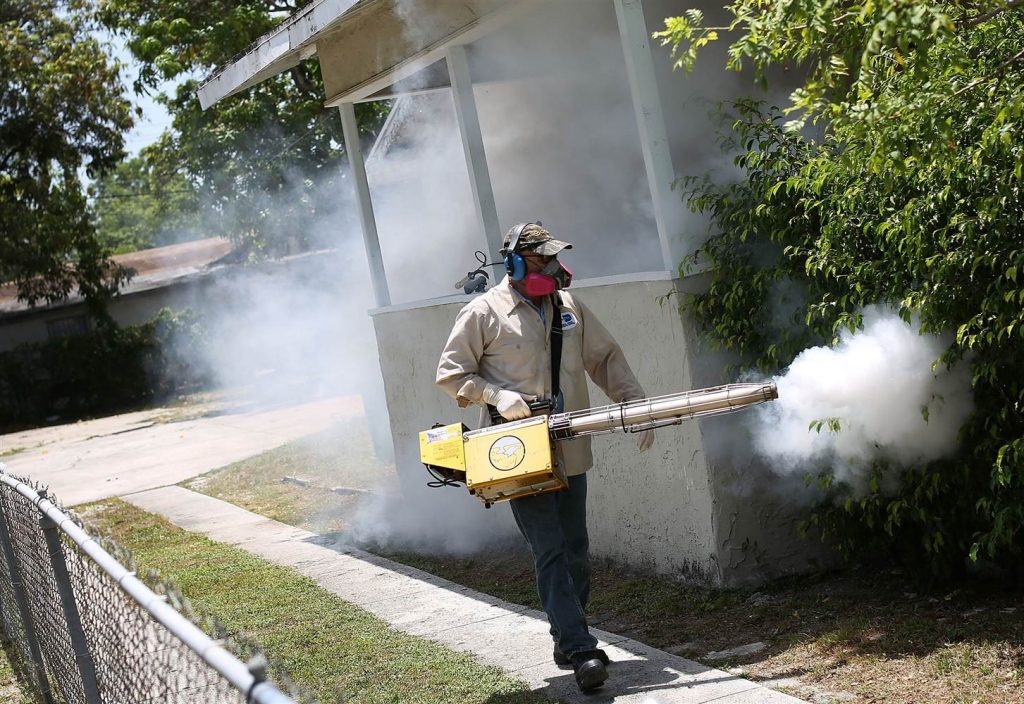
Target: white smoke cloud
291, 329
423, 203
440, 520
876, 383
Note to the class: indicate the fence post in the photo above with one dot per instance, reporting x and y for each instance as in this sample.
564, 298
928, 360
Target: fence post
26, 615
67, 598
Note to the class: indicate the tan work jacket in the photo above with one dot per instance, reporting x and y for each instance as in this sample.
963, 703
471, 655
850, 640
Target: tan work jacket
499, 338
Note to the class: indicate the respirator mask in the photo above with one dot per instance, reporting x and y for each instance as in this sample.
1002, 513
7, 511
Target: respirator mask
553, 277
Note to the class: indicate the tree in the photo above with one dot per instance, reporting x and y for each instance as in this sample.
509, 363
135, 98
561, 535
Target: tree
265, 161
869, 66
139, 206
62, 110
913, 198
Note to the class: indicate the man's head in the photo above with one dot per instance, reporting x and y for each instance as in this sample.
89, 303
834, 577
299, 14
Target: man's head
531, 260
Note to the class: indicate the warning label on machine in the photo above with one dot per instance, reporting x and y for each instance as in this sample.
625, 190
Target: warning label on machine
439, 435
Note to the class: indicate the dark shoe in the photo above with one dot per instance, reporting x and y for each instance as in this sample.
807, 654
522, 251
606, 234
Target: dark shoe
590, 670
563, 661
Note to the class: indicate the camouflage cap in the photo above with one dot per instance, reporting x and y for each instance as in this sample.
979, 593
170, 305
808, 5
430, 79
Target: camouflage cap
535, 239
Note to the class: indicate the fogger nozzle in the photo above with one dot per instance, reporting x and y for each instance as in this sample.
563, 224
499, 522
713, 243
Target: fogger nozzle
642, 414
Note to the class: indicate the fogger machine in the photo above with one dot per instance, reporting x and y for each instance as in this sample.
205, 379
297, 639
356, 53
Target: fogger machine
515, 459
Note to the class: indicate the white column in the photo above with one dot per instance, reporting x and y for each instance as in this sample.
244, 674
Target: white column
473, 145
364, 205
636, 45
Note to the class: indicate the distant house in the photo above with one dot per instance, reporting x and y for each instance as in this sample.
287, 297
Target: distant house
164, 277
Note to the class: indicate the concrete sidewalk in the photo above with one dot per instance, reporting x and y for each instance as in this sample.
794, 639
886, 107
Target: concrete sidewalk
496, 632
97, 459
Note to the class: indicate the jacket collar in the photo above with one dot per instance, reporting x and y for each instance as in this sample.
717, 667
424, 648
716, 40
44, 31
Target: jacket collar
507, 297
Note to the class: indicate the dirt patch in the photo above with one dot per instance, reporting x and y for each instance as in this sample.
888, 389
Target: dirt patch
316, 483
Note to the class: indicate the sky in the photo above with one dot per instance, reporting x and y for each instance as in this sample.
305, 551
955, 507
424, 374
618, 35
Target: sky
155, 118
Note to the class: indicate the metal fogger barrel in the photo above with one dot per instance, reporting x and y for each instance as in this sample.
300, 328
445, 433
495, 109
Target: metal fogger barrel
517, 459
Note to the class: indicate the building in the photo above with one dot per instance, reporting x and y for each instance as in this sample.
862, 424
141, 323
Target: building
164, 277
565, 112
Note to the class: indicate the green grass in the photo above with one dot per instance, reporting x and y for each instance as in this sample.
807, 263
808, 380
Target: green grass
330, 648
340, 456
13, 689
859, 633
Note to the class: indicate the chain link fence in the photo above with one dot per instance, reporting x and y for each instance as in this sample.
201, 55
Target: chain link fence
88, 631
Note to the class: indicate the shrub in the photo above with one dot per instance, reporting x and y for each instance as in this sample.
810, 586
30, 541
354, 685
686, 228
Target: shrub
107, 370
814, 231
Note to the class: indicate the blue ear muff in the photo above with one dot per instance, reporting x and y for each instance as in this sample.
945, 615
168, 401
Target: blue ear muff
515, 265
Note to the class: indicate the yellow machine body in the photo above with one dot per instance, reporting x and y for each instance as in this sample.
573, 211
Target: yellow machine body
500, 462
511, 460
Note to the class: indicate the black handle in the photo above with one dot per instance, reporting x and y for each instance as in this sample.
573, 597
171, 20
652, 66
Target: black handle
542, 404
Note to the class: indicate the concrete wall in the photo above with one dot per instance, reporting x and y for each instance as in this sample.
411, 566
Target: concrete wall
652, 511
28, 329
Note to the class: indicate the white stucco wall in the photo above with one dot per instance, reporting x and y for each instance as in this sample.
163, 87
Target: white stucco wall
651, 511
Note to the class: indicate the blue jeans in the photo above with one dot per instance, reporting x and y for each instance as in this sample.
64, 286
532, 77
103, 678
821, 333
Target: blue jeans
555, 526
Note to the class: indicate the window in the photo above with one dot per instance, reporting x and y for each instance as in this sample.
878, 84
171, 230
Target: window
62, 327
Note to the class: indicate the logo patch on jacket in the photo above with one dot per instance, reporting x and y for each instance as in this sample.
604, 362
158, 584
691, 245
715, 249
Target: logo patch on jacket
568, 321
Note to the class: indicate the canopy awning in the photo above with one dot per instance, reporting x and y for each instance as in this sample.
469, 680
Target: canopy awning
286, 46
365, 47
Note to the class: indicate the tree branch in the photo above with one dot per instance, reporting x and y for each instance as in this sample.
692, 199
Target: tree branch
836, 21
999, 69
302, 81
282, 7
992, 13
8, 158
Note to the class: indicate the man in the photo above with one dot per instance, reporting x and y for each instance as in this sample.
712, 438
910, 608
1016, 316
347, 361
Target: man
500, 354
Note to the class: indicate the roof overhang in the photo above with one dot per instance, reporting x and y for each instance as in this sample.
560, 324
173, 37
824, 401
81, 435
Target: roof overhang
286, 46
364, 46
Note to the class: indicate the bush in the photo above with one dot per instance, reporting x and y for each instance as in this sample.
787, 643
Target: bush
108, 370
941, 240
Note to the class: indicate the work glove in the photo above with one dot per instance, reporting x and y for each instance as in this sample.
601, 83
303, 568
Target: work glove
645, 440
510, 405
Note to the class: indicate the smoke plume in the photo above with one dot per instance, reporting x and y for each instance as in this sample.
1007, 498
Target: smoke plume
880, 386
445, 521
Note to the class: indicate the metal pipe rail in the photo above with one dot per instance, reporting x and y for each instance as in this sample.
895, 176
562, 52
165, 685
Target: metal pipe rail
249, 682
659, 411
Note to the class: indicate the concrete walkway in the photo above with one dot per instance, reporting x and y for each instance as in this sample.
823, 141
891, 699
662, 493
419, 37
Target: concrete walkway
496, 632
97, 459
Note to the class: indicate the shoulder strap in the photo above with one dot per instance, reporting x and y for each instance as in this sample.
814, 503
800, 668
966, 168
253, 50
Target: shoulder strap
556, 343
